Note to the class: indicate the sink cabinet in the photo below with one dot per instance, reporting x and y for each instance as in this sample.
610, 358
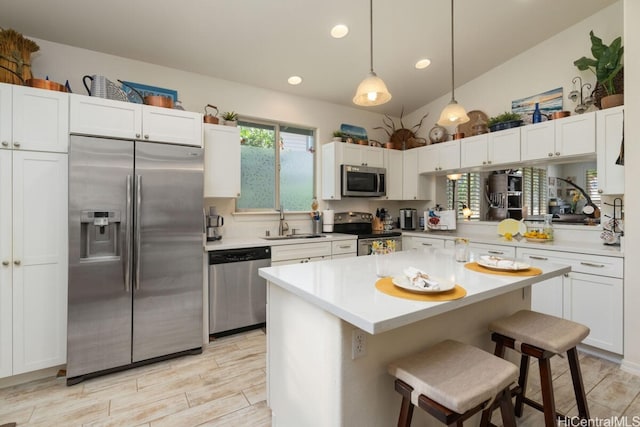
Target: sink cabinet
300, 253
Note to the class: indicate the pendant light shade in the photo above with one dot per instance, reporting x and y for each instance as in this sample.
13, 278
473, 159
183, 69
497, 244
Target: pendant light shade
372, 90
453, 113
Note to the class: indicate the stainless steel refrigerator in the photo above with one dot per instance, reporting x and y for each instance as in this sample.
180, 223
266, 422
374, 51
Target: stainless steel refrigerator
135, 253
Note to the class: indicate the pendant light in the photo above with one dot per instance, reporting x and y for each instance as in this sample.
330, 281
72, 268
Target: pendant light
372, 90
453, 113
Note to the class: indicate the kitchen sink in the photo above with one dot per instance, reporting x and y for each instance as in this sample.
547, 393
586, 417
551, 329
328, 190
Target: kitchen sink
295, 236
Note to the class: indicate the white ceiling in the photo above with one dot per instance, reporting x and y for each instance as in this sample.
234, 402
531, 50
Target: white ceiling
263, 42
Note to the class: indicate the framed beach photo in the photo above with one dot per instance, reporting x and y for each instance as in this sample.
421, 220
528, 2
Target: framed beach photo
549, 102
146, 90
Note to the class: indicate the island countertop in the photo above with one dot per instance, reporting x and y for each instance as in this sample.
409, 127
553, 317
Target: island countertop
346, 287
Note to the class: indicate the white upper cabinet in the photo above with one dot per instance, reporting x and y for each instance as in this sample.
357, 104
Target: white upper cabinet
221, 161
362, 155
105, 117
34, 119
439, 157
169, 125
537, 141
609, 130
90, 115
576, 135
414, 185
393, 163
495, 148
567, 137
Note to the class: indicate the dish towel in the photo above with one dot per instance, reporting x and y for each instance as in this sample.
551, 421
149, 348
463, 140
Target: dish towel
420, 279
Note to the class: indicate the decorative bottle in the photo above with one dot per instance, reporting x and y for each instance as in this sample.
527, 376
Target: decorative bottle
537, 115
547, 228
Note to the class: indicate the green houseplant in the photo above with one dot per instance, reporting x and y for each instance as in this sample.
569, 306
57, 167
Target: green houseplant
337, 135
230, 118
605, 64
504, 121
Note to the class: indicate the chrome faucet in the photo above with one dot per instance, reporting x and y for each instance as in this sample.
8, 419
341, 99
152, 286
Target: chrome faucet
283, 225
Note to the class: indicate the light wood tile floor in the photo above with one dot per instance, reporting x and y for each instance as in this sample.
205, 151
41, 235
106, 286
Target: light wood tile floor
226, 386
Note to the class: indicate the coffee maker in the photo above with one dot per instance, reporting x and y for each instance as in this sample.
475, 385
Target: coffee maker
214, 222
408, 219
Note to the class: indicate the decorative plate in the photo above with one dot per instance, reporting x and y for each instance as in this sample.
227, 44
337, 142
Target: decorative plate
467, 128
404, 283
503, 264
536, 240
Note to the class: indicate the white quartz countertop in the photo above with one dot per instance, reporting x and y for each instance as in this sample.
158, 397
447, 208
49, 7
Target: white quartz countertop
346, 287
584, 247
252, 242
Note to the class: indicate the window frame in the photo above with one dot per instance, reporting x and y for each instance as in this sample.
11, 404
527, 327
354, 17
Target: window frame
277, 126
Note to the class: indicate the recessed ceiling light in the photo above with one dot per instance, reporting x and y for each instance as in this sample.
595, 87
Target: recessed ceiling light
295, 80
423, 63
339, 31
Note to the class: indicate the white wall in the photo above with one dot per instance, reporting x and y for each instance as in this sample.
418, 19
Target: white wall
632, 176
548, 65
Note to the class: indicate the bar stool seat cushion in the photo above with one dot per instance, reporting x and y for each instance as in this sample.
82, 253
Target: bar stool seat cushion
456, 375
541, 330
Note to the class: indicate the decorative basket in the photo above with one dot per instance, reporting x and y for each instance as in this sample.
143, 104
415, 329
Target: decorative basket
599, 92
15, 57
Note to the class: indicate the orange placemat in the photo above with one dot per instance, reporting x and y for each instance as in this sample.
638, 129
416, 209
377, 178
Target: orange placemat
531, 271
386, 286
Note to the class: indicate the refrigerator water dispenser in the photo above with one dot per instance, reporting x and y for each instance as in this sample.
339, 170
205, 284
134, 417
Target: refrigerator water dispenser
100, 231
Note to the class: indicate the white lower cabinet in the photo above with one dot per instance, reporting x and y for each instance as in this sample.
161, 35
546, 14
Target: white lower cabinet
33, 257
344, 248
418, 242
592, 294
480, 249
300, 253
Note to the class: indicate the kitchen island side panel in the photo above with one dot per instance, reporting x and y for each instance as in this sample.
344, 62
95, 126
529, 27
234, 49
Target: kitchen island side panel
314, 381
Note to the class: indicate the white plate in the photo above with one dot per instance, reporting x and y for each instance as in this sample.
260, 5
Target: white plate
404, 283
503, 264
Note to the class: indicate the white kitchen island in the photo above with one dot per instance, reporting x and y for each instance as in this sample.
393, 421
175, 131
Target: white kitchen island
314, 308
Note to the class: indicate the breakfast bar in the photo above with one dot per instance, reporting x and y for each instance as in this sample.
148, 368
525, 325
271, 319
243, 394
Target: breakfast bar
332, 332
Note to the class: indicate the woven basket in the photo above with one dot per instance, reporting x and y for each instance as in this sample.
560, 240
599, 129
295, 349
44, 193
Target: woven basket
15, 57
599, 92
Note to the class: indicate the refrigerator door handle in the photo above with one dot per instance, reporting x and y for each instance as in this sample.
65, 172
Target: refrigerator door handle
138, 229
127, 247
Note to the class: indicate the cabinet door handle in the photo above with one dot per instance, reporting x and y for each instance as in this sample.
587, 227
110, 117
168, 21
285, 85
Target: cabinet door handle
600, 191
550, 154
344, 246
146, 137
17, 262
427, 244
137, 135
542, 258
16, 144
5, 144
557, 153
5, 263
566, 274
484, 163
489, 162
496, 252
592, 264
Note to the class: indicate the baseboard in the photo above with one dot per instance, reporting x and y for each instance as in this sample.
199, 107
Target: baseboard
631, 367
30, 376
602, 354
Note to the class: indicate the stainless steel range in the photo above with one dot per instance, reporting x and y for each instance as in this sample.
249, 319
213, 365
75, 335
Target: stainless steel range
359, 223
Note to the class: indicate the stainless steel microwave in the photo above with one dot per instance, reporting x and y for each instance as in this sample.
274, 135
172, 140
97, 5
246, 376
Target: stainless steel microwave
363, 181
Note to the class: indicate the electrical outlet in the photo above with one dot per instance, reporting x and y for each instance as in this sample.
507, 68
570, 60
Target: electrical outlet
358, 344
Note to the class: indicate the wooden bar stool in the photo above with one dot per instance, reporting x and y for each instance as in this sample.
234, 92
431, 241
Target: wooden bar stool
453, 381
542, 336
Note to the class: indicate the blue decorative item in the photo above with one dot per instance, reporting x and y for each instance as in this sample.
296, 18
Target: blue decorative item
146, 90
537, 115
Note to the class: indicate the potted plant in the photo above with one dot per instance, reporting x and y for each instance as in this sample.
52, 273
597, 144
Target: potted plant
605, 64
230, 118
504, 121
337, 136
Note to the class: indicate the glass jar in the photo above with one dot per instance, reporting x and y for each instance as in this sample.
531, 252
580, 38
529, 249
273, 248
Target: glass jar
547, 227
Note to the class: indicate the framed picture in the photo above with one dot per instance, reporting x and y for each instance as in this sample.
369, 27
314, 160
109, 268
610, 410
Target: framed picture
146, 90
549, 102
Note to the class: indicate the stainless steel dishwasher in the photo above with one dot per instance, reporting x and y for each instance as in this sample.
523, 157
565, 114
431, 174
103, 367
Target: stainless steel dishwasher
237, 295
